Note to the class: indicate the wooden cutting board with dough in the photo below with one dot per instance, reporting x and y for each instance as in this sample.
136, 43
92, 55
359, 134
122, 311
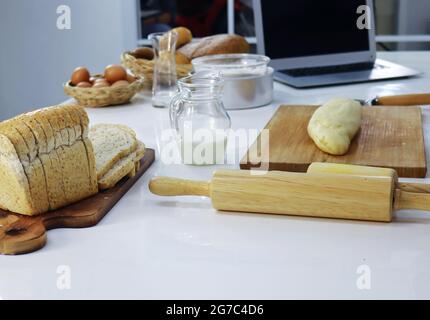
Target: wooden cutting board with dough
389, 137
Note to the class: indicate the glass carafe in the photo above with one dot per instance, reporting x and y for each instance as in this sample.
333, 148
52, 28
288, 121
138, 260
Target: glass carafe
164, 77
200, 119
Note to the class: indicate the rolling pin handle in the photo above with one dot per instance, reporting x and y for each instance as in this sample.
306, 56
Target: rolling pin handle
402, 100
164, 186
411, 200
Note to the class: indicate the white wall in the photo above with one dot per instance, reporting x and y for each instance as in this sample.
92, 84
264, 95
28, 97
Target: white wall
36, 58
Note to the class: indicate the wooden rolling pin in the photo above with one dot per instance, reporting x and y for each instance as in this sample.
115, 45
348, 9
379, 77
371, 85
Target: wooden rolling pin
328, 195
337, 168
402, 100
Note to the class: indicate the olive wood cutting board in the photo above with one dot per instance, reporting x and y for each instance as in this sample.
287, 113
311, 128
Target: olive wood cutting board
23, 234
389, 137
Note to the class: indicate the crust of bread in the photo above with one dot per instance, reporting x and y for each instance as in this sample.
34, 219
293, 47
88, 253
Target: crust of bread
15, 195
121, 169
217, 44
51, 162
70, 125
34, 170
62, 126
53, 121
41, 117
75, 172
80, 116
10, 130
85, 121
39, 166
76, 119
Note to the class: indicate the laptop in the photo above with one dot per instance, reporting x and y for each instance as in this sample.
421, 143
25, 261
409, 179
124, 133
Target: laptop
319, 43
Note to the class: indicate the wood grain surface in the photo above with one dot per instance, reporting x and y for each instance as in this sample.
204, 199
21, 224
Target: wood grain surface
389, 137
23, 234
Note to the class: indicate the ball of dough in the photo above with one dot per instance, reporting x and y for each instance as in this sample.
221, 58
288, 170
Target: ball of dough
334, 125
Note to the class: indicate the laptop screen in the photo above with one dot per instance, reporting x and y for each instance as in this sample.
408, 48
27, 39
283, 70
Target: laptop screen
300, 28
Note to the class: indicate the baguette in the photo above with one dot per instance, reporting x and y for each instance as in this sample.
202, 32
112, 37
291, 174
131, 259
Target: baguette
218, 44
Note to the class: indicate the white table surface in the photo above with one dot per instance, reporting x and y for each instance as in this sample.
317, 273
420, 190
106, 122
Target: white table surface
180, 248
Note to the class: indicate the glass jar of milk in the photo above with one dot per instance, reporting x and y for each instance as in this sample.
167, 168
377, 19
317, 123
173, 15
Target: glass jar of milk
200, 119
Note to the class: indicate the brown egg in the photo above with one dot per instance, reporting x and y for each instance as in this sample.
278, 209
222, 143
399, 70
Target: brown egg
101, 83
143, 53
120, 83
80, 74
84, 84
131, 78
114, 73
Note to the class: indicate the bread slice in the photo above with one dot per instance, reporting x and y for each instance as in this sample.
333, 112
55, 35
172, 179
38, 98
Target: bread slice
110, 143
51, 161
15, 193
121, 169
70, 125
41, 165
79, 115
9, 129
75, 172
85, 121
140, 153
62, 126
140, 150
34, 170
74, 115
41, 117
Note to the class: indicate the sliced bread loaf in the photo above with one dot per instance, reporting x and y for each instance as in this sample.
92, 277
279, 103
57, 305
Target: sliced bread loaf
44, 162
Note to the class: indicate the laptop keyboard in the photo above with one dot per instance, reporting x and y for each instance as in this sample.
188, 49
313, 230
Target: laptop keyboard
305, 72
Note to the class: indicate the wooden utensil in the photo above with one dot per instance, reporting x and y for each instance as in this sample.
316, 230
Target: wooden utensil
303, 194
402, 100
336, 168
23, 234
389, 137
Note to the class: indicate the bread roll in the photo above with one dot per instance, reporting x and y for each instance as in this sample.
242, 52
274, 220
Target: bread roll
184, 36
218, 44
334, 124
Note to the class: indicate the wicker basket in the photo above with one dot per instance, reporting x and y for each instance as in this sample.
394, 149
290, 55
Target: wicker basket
103, 97
145, 68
